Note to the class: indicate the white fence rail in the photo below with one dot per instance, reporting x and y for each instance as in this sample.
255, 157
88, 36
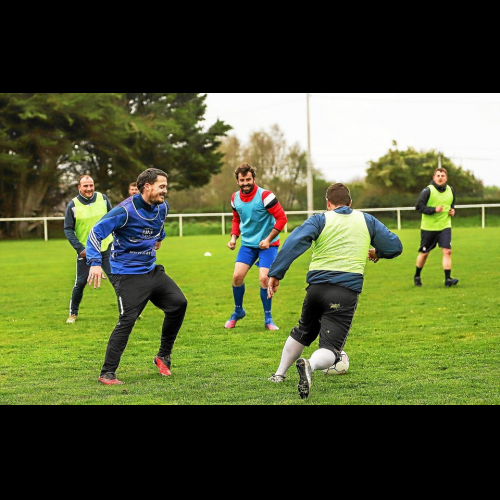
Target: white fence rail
229, 216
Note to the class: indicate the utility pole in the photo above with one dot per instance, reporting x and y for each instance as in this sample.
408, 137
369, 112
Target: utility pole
310, 179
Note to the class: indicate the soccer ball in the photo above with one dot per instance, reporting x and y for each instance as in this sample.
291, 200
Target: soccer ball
341, 368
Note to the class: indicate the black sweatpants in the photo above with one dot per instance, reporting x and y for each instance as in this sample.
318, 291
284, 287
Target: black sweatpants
82, 276
134, 292
328, 313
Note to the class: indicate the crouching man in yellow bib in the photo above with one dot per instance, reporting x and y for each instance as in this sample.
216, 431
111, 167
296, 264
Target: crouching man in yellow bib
342, 241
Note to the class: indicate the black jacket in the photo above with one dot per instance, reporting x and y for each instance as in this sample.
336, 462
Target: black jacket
425, 197
70, 220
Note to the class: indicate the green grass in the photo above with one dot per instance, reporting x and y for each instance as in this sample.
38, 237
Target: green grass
408, 346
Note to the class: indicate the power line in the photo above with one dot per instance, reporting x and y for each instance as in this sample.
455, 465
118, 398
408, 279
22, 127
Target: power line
310, 181
353, 156
398, 101
473, 159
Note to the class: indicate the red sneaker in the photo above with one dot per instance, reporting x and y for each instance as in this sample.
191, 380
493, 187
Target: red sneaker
231, 324
271, 326
110, 379
164, 365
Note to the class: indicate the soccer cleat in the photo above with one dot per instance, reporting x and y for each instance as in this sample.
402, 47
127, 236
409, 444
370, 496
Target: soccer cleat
231, 324
271, 326
277, 379
305, 373
418, 281
164, 365
451, 282
71, 320
109, 379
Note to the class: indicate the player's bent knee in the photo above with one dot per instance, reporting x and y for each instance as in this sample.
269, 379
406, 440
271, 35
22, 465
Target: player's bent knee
184, 304
128, 320
238, 280
181, 303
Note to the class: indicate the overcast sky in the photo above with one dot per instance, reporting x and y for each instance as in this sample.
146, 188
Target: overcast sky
349, 130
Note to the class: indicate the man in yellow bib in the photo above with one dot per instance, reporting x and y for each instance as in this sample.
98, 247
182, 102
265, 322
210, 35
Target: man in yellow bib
82, 214
437, 206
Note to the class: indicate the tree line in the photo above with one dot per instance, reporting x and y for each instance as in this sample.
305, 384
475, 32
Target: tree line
47, 140
394, 180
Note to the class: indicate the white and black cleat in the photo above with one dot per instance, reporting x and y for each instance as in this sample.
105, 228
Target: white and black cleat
305, 373
277, 379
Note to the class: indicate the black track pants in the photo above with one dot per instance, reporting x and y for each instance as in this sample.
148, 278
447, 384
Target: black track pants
82, 276
134, 292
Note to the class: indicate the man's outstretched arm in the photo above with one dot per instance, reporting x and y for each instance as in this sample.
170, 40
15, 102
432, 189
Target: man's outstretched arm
387, 244
114, 220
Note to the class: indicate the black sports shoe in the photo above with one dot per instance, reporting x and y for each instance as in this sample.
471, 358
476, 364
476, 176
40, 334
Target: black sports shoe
418, 281
451, 282
305, 373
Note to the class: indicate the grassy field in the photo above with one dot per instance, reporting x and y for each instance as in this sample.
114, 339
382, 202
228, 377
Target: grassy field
408, 346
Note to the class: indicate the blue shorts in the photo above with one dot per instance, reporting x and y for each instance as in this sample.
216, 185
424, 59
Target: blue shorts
250, 256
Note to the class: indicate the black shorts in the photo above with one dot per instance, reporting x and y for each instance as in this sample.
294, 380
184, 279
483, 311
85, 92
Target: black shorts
328, 313
431, 239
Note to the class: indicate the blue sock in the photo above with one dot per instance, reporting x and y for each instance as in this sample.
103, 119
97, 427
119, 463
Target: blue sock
239, 294
267, 303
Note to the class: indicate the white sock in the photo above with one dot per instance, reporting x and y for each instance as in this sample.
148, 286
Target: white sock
291, 353
322, 360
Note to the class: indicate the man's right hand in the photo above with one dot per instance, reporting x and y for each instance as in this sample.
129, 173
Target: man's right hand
83, 255
439, 210
96, 275
232, 244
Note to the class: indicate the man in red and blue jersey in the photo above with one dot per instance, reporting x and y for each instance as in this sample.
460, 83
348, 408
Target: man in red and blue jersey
259, 219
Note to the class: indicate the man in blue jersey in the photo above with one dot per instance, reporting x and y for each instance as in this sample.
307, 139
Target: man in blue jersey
138, 228
342, 240
258, 218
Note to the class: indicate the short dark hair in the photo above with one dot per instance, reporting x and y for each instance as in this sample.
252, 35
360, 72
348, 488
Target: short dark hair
149, 177
441, 169
132, 184
339, 195
245, 169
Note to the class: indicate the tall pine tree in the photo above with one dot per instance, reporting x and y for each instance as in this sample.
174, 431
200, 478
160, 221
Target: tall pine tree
48, 139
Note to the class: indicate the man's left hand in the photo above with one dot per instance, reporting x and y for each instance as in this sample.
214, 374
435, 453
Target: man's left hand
372, 256
158, 245
274, 283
